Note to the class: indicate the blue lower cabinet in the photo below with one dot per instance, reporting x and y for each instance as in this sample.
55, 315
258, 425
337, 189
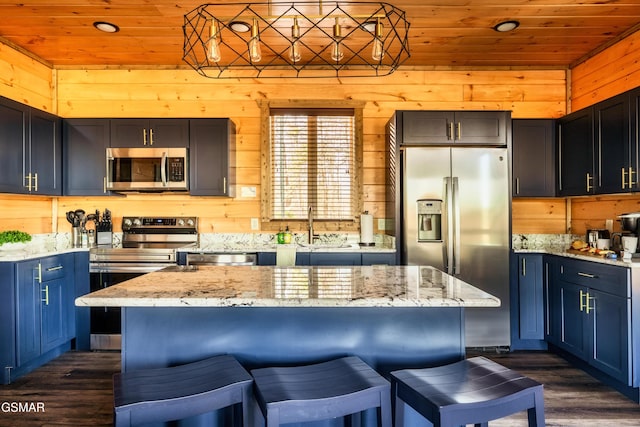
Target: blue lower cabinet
591, 319
527, 302
332, 258
269, 258
378, 258
335, 258
38, 313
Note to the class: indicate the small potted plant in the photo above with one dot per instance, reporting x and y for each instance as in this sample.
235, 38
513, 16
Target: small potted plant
13, 240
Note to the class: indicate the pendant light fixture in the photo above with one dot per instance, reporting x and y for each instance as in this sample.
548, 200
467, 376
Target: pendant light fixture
255, 51
336, 50
294, 51
296, 39
213, 49
377, 52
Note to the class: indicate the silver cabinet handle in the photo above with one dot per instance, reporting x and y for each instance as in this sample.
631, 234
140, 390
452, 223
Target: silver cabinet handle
590, 276
524, 267
46, 295
589, 179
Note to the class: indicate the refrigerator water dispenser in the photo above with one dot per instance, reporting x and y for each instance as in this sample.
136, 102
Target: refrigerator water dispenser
429, 220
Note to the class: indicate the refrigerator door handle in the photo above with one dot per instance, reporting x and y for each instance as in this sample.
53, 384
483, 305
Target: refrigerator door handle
447, 243
456, 225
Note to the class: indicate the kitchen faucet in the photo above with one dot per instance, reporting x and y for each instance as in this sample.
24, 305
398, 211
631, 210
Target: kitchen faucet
312, 236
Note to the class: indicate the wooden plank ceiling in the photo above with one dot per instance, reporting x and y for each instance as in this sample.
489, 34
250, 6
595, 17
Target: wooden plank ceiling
443, 33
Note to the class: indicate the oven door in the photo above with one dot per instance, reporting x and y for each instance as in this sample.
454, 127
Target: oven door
147, 169
105, 323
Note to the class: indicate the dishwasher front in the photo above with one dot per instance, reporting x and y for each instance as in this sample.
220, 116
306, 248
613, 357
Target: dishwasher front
221, 259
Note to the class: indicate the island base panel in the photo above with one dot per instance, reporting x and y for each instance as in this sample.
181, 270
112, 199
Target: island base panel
386, 338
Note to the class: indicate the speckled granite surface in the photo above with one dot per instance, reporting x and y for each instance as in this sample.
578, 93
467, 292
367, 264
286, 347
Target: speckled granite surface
224, 286
266, 242
555, 244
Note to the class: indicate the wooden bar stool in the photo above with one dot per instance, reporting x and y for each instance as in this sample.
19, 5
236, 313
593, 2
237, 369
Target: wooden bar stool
337, 388
167, 394
472, 391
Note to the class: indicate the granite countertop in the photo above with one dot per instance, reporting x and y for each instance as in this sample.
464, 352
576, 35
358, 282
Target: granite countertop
564, 251
264, 286
24, 255
322, 247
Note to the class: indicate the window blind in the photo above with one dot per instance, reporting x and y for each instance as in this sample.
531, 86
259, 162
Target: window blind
312, 163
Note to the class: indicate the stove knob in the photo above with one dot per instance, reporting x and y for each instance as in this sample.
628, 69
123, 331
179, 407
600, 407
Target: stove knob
127, 222
137, 222
190, 222
181, 222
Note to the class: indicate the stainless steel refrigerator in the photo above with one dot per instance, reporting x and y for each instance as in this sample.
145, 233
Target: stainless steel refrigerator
456, 217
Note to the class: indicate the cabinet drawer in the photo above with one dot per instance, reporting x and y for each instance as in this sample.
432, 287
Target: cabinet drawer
52, 268
605, 278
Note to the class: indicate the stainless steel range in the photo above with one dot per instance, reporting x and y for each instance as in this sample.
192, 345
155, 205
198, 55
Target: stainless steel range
148, 244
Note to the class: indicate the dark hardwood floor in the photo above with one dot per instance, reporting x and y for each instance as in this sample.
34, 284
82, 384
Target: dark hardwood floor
75, 390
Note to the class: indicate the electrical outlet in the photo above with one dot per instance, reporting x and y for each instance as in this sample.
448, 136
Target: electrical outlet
255, 224
382, 224
608, 224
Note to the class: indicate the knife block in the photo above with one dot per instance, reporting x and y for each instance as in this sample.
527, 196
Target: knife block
104, 238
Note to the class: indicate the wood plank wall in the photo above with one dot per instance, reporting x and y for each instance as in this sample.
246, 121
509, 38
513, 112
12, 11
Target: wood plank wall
26, 80
613, 71
183, 93
607, 74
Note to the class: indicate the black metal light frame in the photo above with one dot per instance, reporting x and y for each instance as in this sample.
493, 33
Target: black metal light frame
360, 24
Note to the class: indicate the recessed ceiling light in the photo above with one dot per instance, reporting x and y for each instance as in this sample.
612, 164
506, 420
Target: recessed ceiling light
107, 27
239, 26
506, 26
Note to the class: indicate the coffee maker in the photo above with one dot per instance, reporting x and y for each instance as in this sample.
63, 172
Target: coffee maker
630, 227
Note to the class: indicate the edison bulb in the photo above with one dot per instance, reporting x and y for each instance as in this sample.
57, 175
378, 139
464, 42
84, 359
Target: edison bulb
377, 52
336, 51
294, 51
213, 48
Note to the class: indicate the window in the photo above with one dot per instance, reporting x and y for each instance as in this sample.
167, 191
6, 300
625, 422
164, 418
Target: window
313, 162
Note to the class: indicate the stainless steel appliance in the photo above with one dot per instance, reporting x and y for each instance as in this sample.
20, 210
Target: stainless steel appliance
221, 259
456, 217
594, 235
147, 169
148, 244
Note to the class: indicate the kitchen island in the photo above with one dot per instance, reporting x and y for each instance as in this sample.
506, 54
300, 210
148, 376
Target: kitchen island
391, 316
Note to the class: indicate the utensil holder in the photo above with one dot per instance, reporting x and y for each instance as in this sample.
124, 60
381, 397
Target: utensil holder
76, 237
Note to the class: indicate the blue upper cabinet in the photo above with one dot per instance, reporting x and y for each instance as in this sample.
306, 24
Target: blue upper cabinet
212, 157
458, 127
159, 133
85, 143
533, 153
598, 148
30, 147
576, 154
616, 170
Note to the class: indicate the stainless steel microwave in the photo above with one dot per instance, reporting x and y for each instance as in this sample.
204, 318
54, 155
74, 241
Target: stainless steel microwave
147, 169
